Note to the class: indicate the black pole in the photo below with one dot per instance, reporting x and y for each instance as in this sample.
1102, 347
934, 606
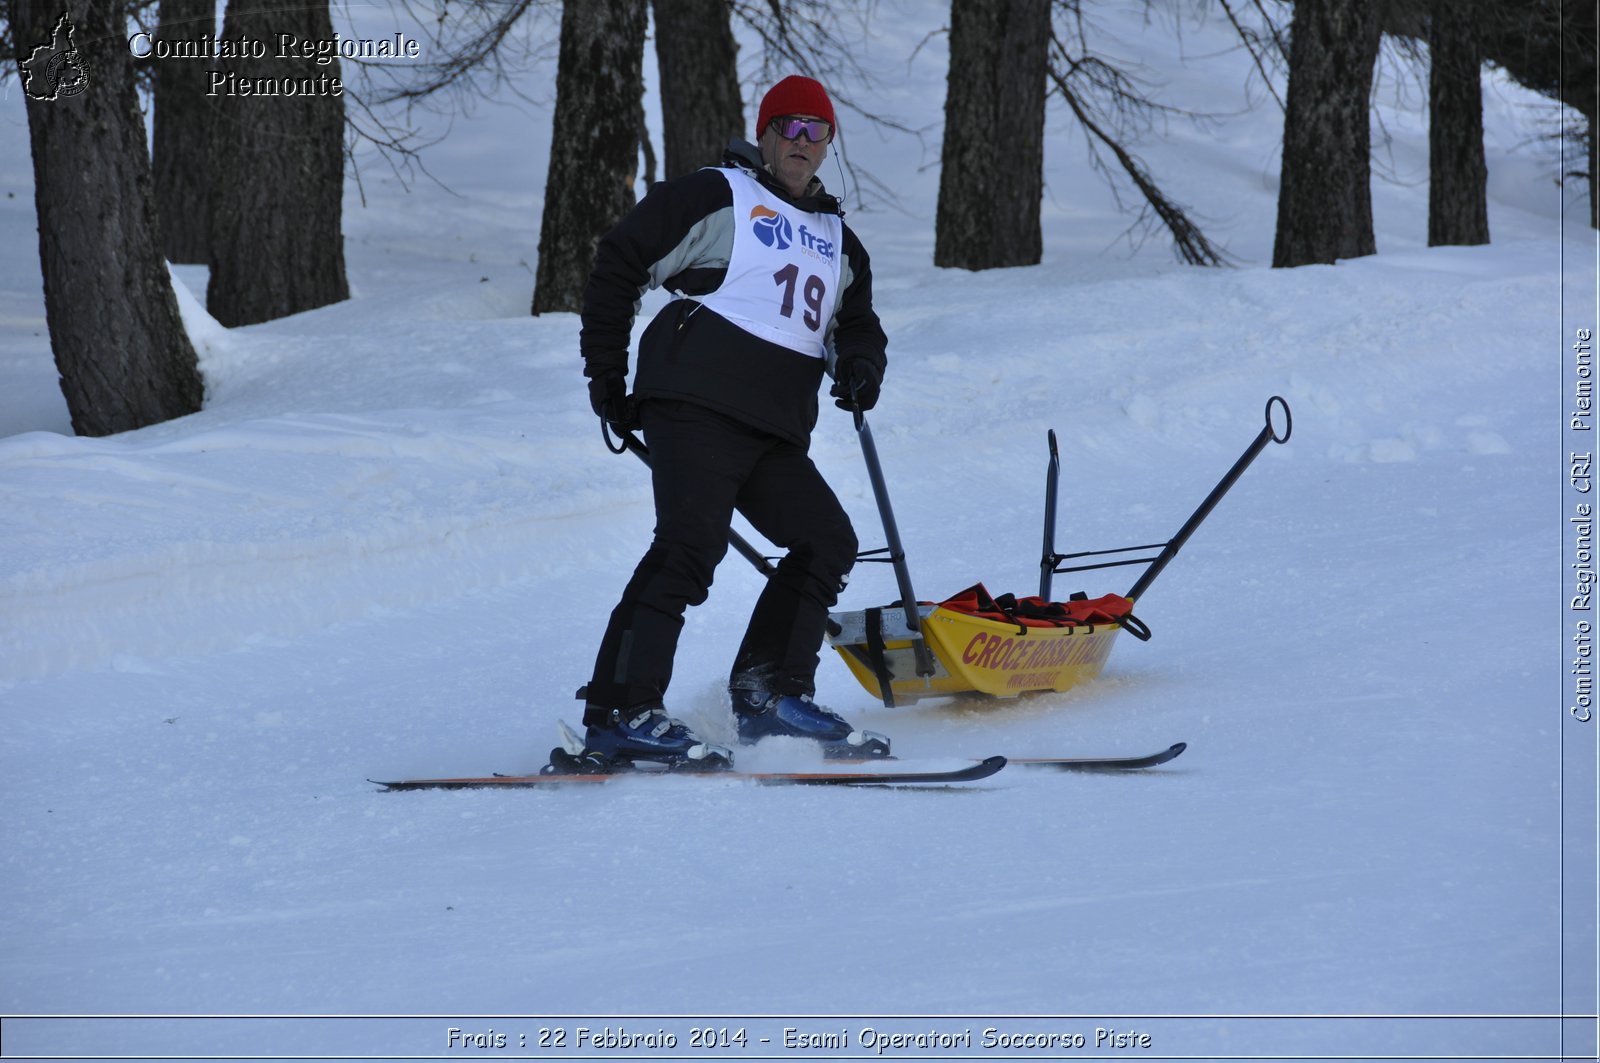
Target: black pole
1047, 561
1267, 435
897, 553
633, 443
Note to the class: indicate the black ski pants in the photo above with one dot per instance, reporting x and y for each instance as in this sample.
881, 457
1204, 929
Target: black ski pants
704, 466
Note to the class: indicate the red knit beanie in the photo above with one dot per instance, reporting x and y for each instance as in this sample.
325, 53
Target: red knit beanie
795, 94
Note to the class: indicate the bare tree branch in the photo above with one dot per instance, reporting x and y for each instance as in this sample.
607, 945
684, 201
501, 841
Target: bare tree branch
1115, 105
1254, 45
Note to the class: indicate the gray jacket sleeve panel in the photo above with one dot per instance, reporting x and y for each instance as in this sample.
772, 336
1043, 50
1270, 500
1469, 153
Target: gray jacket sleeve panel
674, 232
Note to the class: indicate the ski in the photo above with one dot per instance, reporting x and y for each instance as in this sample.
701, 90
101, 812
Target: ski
979, 770
1102, 763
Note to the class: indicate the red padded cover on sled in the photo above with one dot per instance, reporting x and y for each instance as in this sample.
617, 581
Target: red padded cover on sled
1034, 611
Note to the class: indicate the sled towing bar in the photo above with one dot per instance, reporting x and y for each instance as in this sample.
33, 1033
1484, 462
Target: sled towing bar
897, 553
1050, 563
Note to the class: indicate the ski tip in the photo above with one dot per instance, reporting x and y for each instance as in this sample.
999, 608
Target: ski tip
986, 767
1105, 764
890, 776
1155, 760
1169, 754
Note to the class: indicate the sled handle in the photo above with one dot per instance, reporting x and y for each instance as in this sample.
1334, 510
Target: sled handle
1288, 420
1269, 434
897, 552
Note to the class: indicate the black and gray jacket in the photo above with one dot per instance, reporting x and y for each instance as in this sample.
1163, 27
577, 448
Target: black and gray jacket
680, 237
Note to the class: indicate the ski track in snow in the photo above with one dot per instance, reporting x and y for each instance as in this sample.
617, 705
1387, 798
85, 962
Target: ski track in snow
387, 547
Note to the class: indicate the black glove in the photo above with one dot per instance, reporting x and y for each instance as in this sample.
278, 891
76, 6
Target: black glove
608, 395
857, 379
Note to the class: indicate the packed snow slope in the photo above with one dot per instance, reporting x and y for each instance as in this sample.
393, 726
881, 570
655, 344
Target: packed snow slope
388, 545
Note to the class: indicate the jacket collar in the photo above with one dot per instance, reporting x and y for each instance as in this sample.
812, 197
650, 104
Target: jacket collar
743, 155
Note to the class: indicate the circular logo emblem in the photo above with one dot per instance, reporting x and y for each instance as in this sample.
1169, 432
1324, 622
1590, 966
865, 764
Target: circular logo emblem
65, 75
771, 228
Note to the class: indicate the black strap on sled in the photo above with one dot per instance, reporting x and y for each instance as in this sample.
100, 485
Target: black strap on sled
1135, 627
875, 655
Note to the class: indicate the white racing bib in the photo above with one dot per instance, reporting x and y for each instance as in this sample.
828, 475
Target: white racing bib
783, 271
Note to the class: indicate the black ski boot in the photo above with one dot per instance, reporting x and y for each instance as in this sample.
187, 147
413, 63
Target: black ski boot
645, 733
762, 715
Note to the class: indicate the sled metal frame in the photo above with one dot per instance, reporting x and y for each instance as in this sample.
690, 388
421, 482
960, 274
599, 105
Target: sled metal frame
1050, 562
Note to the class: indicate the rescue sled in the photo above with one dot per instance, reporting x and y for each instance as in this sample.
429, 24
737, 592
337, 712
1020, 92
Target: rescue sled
1001, 646
1006, 646
979, 645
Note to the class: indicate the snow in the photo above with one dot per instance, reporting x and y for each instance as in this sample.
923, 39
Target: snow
388, 545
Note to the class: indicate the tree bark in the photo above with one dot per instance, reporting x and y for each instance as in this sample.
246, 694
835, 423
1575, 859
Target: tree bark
594, 147
1551, 47
277, 187
181, 131
119, 343
697, 63
1458, 210
991, 179
1325, 193
1591, 140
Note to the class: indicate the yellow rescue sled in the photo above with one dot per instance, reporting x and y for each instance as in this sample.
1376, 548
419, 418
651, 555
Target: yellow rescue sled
969, 653
1005, 646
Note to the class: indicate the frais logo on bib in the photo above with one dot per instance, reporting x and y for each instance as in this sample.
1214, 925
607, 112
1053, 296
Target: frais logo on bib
775, 231
771, 228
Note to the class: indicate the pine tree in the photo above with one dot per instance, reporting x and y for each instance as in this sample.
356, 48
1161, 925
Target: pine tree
180, 131
1325, 194
119, 343
277, 164
697, 58
595, 144
1458, 211
992, 176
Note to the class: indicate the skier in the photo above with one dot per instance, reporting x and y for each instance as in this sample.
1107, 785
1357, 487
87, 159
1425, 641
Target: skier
769, 280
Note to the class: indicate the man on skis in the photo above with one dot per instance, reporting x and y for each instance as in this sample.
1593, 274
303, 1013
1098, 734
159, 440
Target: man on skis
769, 280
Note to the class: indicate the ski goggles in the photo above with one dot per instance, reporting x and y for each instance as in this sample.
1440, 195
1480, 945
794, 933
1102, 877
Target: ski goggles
789, 127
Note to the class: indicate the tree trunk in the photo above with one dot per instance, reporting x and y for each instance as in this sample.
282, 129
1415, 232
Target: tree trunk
181, 130
1550, 46
697, 61
1591, 140
119, 343
992, 161
594, 148
1325, 193
277, 179
1458, 210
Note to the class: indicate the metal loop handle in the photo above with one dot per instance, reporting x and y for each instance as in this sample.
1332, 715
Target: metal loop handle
1288, 420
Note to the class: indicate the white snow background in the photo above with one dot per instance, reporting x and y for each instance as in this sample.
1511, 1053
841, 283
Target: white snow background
388, 545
